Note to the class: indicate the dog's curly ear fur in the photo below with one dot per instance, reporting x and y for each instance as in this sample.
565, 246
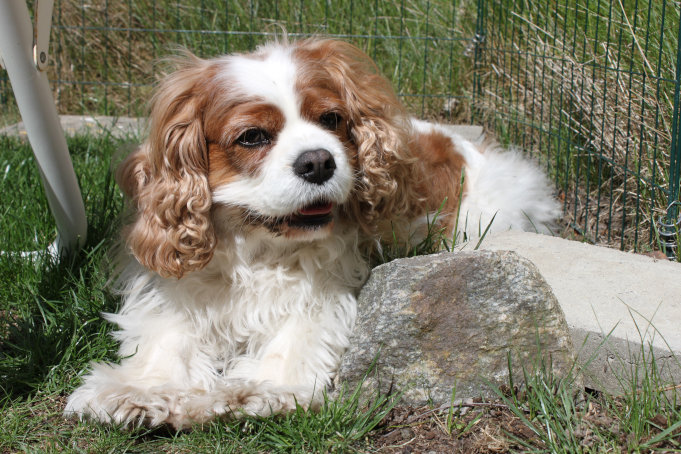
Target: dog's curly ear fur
379, 128
166, 179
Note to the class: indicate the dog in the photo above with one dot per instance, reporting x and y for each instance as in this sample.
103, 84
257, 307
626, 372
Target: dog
264, 181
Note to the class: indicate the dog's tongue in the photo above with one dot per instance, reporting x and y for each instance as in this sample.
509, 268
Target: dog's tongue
316, 209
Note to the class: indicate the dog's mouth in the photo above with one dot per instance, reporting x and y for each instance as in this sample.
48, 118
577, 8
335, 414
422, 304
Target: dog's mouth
314, 219
315, 215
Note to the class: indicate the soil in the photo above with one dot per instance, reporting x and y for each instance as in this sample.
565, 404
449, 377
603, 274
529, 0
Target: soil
485, 427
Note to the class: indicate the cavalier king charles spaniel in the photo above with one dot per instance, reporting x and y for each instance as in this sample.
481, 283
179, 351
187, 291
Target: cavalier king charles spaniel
264, 182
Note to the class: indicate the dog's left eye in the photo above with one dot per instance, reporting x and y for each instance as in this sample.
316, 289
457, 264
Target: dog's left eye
254, 137
330, 120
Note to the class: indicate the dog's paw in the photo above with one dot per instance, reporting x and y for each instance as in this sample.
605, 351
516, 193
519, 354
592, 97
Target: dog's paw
267, 403
233, 402
128, 407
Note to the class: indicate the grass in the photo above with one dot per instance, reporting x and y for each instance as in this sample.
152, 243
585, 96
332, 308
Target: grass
105, 54
542, 413
49, 312
35, 424
645, 417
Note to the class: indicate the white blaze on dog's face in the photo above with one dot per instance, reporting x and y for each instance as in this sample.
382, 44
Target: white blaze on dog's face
280, 155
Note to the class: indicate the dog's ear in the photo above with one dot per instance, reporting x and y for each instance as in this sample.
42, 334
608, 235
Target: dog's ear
379, 129
167, 179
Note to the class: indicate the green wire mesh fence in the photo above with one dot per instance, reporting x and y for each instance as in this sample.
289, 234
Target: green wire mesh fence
591, 85
588, 87
106, 54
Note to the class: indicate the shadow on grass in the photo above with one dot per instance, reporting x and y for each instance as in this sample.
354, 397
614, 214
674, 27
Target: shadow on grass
50, 325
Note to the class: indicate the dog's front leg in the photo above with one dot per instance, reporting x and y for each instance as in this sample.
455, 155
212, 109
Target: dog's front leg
162, 368
298, 363
291, 367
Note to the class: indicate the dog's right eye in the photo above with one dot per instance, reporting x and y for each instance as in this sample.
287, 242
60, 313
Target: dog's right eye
330, 120
254, 137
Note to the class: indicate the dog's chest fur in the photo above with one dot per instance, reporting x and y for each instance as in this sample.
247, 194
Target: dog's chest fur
252, 290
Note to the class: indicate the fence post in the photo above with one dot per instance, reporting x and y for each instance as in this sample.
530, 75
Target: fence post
675, 152
478, 40
670, 225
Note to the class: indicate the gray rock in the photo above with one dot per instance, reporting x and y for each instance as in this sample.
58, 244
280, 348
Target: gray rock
433, 322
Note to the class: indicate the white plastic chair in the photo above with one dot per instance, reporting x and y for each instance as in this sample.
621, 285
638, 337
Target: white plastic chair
25, 60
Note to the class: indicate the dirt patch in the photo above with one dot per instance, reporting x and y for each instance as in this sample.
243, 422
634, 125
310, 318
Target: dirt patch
483, 428
491, 427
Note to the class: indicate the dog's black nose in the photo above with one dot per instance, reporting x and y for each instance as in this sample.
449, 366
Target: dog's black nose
315, 166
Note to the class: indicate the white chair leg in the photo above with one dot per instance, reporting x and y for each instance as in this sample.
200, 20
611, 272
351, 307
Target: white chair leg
37, 109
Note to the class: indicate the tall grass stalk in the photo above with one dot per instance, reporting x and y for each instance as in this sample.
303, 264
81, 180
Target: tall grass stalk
645, 416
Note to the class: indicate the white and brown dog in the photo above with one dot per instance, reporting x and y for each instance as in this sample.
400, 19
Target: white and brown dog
263, 177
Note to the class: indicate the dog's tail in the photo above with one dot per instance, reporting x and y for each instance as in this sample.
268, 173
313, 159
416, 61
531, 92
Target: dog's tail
504, 190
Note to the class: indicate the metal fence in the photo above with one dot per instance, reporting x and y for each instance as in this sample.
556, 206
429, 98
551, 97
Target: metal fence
589, 87
105, 54
593, 86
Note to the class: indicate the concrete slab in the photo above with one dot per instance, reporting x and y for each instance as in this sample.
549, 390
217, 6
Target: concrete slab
620, 307
468, 132
119, 127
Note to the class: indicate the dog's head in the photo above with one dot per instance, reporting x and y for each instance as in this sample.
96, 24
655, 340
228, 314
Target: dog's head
286, 141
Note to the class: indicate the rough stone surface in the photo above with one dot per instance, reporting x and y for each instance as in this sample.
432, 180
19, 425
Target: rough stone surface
450, 319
